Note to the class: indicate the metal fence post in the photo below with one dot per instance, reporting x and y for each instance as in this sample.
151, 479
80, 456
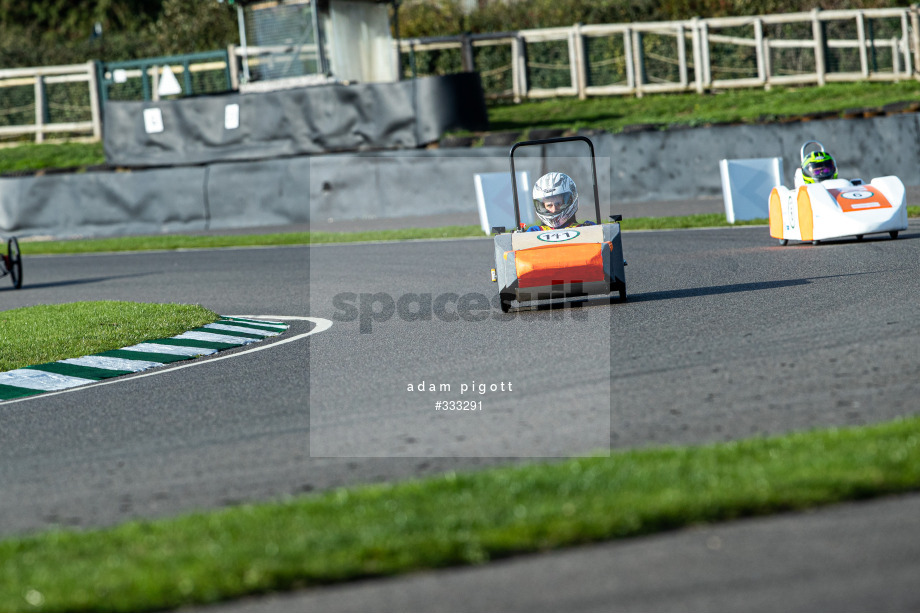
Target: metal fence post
818, 34
233, 72
704, 53
581, 64
758, 50
639, 61
767, 63
155, 83
905, 46
102, 84
145, 82
895, 57
518, 68
39, 108
630, 66
915, 36
697, 54
241, 25
861, 38
466, 53
187, 78
873, 52
682, 56
95, 110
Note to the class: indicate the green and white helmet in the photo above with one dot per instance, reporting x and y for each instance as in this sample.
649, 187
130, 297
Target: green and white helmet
818, 165
557, 190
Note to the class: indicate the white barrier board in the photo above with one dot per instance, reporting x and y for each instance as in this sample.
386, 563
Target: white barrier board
746, 186
496, 205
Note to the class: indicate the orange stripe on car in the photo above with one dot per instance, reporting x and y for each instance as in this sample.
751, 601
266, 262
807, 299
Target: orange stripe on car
776, 215
806, 216
558, 264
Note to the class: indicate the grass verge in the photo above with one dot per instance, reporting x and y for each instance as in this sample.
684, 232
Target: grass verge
174, 242
699, 220
455, 519
171, 242
159, 242
46, 333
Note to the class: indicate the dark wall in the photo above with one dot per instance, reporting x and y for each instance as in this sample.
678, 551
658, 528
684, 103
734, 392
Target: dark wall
308, 120
679, 165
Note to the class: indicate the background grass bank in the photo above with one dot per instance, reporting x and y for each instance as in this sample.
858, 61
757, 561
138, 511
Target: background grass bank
610, 113
613, 114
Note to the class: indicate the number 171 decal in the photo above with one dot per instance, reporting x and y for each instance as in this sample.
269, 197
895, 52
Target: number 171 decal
557, 236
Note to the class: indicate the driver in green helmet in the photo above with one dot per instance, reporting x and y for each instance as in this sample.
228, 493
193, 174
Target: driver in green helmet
818, 166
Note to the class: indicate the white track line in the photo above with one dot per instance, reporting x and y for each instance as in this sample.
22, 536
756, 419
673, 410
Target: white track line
322, 324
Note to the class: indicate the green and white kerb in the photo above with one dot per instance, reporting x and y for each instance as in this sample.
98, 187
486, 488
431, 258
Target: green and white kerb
226, 333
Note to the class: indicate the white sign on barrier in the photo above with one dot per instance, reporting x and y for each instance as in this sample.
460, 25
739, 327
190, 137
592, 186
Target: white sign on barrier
746, 186
232, 116
153, 120
496, 205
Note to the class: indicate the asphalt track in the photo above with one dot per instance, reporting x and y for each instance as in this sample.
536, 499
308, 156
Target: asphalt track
726, 335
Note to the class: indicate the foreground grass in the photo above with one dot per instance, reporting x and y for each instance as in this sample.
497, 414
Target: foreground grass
450, 520
45, 333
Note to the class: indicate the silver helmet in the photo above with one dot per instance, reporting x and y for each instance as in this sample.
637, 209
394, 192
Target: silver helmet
558, 191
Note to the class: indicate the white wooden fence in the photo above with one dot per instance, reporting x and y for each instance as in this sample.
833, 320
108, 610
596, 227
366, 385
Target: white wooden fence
672, 56
695, 70
40, 78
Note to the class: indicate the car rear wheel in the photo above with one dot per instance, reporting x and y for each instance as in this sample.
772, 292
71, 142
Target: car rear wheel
894, 234
15, 260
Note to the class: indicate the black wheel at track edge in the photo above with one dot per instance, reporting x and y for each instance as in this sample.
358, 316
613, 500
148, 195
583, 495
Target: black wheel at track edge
620, 295
15, 259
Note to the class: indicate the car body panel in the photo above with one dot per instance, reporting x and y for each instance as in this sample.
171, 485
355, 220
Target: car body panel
837, 208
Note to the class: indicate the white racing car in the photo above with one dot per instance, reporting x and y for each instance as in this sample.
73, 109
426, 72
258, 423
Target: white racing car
835, 208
